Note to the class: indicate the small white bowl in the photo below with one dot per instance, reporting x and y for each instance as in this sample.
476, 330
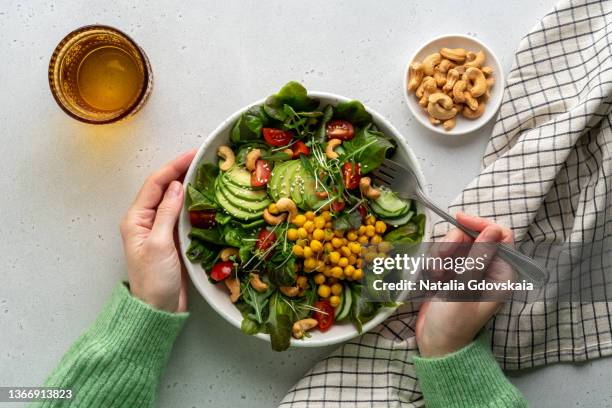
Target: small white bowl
464, 125
217, 296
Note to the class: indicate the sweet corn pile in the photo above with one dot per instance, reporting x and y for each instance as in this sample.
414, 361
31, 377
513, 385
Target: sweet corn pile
334, 255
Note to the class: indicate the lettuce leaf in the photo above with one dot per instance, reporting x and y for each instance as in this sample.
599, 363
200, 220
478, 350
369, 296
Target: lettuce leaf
369, 148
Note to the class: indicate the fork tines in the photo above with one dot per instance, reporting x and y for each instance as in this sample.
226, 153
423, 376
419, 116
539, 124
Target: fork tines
388, 171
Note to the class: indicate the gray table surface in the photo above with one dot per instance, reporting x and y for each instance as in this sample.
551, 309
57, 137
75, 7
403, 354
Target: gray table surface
65, 184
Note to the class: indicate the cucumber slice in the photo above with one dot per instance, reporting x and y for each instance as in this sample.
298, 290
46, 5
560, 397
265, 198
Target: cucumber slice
389, 205
399, 221
339, 307
346, 303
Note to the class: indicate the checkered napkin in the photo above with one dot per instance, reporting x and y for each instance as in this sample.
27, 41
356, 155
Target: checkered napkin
547, 173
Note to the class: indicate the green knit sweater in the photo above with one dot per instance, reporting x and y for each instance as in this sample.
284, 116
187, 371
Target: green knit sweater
119, 360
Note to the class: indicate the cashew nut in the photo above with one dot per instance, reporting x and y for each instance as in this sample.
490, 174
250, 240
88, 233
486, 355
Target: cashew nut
331, 145
474, 113
488, 71
322, 194
470, 101
441, 106
460, 69
426, 82
433, 120
451, 78
251, 159
302, 326
430, 88
290, 291
459, 91
365, 185
257, 283
476, 81
490, 82
273, 219
287, 205
430, 62
439, 77
226, 253
477, 61
454, 54
228, 157
233, 284
445, 65
415, 75
449, 124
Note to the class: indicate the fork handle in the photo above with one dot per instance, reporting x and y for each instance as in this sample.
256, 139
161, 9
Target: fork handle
524, 265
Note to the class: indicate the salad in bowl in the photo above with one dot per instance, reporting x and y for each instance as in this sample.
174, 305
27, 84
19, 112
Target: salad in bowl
282, 219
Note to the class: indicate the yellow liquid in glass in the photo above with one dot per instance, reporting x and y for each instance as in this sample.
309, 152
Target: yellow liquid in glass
109, 79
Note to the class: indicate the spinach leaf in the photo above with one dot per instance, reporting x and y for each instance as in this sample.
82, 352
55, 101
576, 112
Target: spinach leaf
200, 252
205, 180
248, 126
410, 233
222, 218
354, 112
211, 235
281, 268
279, 323
292, 94
347, 221
198, 201
368, 148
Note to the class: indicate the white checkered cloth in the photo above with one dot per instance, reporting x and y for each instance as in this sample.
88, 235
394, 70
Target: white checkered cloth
547, 173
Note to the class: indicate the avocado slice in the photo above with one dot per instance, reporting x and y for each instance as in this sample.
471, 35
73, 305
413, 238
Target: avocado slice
241, 203
239, 176
231, 209
244, 193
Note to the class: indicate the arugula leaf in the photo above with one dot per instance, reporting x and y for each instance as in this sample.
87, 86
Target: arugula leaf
281, 269
410, 233
368, 148
198, 201
279, 323
205, 180
354, 112
258, 301
321, 133
292, 94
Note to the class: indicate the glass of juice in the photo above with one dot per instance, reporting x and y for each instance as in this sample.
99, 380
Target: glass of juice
99, 75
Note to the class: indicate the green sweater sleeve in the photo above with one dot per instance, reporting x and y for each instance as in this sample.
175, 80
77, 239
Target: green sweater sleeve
466, 378
118, 361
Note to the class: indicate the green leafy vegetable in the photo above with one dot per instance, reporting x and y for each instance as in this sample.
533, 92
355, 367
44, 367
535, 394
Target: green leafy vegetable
321, 135
292, 94
199, 252
410, 233
205, 180
257, 301
212, 235
281, 269
279, 322
362, 311
250, 326
248, 126
198, 201
354, 112
368, 148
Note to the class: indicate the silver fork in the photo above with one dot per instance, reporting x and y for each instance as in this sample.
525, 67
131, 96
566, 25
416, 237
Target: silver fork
403, 181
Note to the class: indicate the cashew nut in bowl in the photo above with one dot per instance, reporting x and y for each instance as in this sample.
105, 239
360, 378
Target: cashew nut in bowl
251, 159
302, 326
290, 291
272, 219
441, 106
449, 124
329, 149
445, 65
287, 205
257, 283
470, 101
488, 71
454, 54
476, 81
365, 185
459, 91
433, 120
415, 76
490, 82
228, 157
430, 88
478, 61
233, 284
439, 77
451, 79
430, 62
228, 252
427, 81
474, 114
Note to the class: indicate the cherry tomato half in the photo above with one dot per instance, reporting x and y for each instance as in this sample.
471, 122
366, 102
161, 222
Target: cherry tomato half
362, 211
265, 239
339, 129
324, 315
202, 218
221, 270
277, 137
337, 205
351, 175
298, 148
261, 175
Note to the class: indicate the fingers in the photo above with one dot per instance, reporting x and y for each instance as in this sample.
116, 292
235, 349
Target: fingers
479, 224
153, 189
168, 211
490, 235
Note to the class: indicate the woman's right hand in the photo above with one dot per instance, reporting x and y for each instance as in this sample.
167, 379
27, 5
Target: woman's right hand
443, 326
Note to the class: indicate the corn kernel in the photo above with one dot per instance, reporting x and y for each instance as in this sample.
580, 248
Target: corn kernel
337, 272
376, 239
334, 257
299, 220
358, 274
329, 235
302, 233
343, 262
298, 250
319, 279
309, 226
308, 252
323, 291
380, 227
345, 251
334, 301
292, 234
355, 247
352, 236
316, 246
318, 234
319, 222
326, 216
370, 231
370, 220
310, 264
363, 239
361, 230
302, 281
309, 215
336, 242
348, 271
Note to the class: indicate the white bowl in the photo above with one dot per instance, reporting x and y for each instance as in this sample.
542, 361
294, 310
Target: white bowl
464, 125
217, 295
